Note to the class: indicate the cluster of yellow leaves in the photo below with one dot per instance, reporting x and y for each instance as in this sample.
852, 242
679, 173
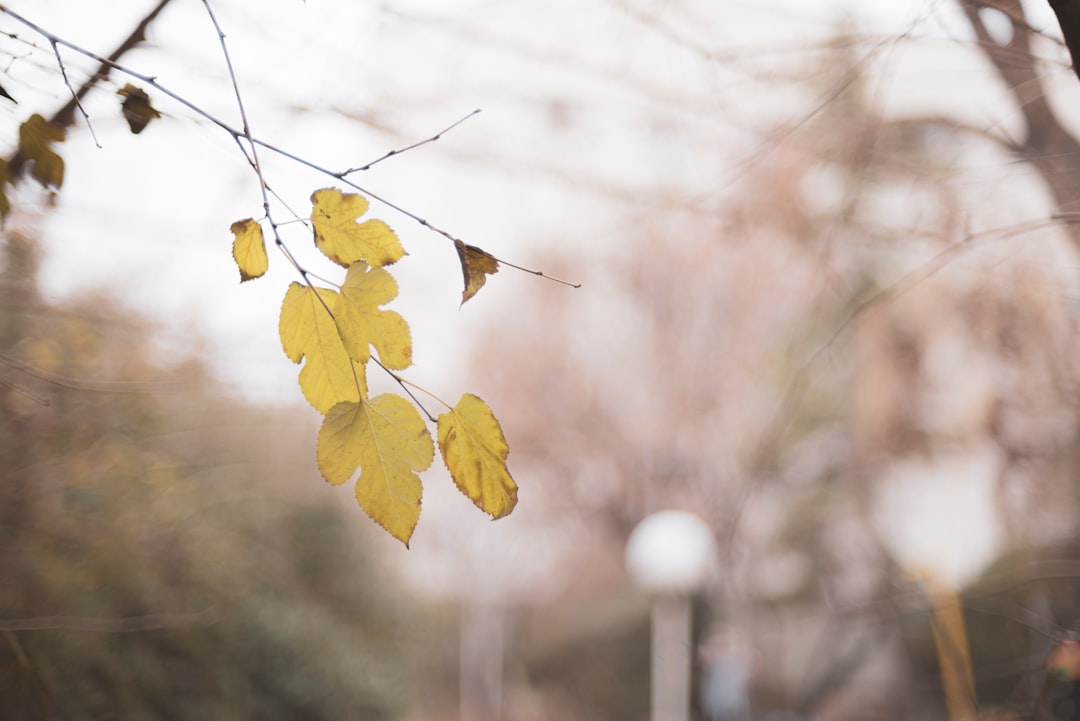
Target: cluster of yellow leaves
336, 333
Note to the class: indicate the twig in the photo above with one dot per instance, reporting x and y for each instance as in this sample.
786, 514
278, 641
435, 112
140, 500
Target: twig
25, 393
252, 147
539, 274
401, 381
399, 151
74, 93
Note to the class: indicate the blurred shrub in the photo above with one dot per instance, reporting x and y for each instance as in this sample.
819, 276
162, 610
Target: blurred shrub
158, 559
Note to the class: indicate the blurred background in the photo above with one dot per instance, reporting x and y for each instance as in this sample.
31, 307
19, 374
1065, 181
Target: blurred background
828, 302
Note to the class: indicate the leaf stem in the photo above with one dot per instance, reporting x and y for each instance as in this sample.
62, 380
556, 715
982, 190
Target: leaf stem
407, 384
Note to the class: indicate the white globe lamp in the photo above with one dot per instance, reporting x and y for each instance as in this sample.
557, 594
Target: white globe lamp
671, 555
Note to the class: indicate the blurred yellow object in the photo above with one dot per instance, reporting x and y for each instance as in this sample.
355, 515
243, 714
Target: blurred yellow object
954, 655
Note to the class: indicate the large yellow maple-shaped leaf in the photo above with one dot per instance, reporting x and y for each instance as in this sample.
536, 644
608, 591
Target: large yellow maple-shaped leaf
475, 450
308, 333
385, 438
36, 136
362, 324
344, 240
249, 249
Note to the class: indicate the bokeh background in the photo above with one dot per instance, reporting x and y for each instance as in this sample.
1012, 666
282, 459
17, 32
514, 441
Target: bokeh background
828, 302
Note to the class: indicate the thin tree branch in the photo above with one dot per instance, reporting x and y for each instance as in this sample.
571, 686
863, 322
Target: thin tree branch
74, 94
398, 151
1047, 145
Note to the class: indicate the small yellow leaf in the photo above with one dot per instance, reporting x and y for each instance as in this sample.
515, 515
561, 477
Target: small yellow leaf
476, 266
308, 332
35, 137
345, 241
385, 438
249, 249
137, 110
362, 324
474, 451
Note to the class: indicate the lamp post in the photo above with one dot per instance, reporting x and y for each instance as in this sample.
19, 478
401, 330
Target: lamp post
669, 555
917, 519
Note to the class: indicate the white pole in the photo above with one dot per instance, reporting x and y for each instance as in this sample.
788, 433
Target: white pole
671, 658
671, 554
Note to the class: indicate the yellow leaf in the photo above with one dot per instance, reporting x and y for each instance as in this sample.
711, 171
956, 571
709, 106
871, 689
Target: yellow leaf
35, 137
385, 438
249, 249
308, 332
362, 324
345, 241
137, 110
474, 450
476, 266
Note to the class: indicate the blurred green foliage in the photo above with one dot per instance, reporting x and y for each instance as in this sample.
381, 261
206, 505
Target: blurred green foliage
159, 560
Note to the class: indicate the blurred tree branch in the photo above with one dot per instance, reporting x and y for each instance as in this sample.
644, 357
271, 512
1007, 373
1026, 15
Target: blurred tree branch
1047, 144
1068, 15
